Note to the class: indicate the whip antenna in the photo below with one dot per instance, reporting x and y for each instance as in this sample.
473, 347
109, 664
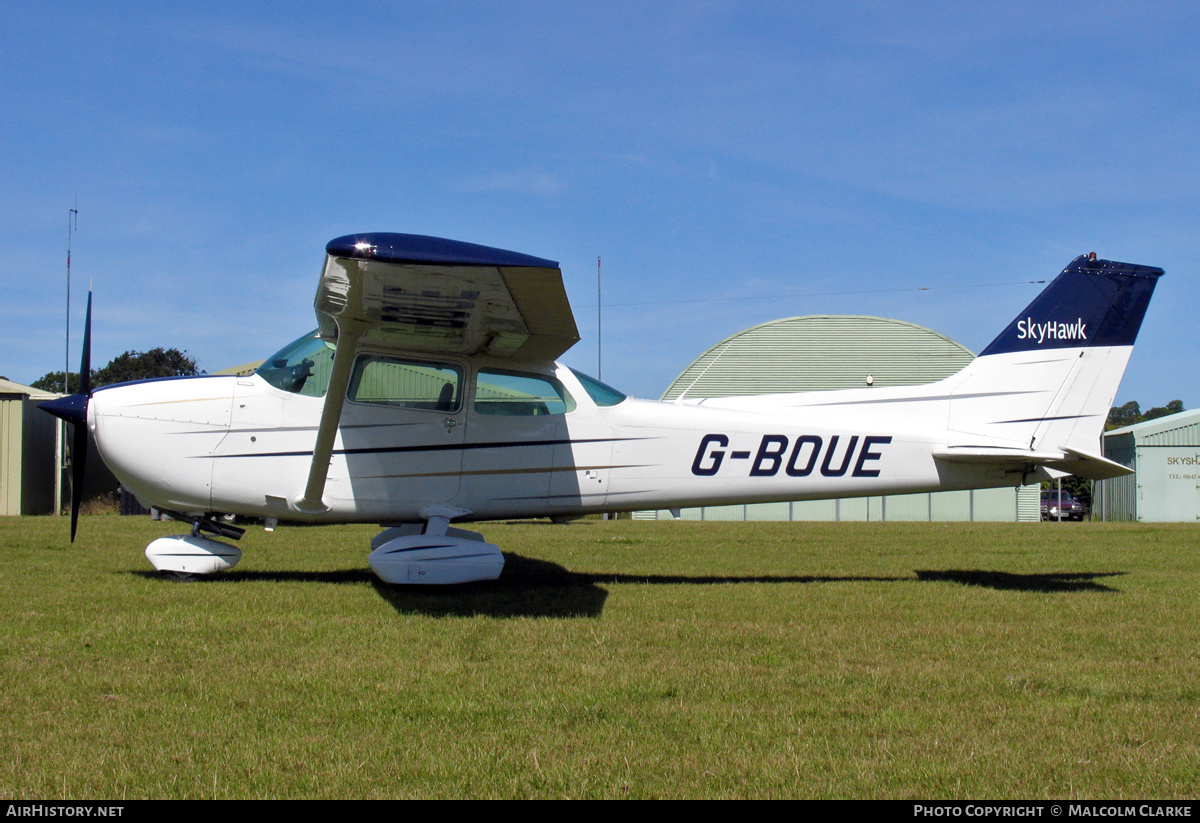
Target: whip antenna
72, 223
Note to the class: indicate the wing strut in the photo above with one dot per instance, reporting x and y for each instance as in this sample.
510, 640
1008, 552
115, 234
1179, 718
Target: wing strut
349, 333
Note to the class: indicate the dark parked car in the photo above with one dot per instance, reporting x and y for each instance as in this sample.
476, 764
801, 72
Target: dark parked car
1072, 509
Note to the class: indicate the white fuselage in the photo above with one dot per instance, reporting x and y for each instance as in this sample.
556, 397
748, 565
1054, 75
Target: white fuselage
240, 445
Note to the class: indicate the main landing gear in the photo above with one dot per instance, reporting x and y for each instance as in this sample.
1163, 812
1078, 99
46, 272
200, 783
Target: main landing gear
434, 554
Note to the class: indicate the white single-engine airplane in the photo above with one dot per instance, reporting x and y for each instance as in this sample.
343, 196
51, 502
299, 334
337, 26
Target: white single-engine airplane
429, 394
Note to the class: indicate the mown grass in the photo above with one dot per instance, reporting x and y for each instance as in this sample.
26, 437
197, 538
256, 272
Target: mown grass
612, 659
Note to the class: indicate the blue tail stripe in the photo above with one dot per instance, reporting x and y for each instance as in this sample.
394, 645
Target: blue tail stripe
1091, 303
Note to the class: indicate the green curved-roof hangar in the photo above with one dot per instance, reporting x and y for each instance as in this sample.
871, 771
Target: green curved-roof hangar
820, 352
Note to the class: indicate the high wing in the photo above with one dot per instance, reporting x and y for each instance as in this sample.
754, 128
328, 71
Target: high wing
426, 294
412, 293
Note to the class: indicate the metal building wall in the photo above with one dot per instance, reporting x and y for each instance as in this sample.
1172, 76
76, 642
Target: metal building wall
1181, 429
981, 505
1168, 481
42, 443
29, 455
1165, 456
11, 418
1116, 499
1029, 503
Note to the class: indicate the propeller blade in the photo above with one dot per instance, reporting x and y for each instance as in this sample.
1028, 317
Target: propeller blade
78, 467
85, 365
73, 409
80, 441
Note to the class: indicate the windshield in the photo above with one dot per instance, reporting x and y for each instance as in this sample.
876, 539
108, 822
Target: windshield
602, 394
301, 367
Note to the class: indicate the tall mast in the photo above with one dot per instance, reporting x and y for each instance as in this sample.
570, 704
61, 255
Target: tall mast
72, 223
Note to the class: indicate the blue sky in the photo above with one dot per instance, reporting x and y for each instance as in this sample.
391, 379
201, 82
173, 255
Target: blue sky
821, 158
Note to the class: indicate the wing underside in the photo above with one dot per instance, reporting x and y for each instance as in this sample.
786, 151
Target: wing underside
457, 298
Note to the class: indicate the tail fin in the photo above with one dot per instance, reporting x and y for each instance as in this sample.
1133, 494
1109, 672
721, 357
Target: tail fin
1042, 390
1092, 303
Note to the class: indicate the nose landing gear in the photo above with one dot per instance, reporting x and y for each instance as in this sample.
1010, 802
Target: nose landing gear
188, 556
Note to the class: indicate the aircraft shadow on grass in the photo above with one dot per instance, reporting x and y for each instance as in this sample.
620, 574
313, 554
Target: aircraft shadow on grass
530, 587
1046, 583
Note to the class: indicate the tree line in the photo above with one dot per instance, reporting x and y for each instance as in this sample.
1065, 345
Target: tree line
132, 365
1121, 416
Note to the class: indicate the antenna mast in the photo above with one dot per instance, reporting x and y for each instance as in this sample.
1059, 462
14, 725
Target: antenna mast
72, 223
599, 328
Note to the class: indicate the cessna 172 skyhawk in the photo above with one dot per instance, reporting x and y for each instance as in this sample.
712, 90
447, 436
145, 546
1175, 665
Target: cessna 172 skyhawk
429, 394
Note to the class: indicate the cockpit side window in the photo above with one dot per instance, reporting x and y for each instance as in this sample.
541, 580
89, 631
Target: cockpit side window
409, 384
301, 367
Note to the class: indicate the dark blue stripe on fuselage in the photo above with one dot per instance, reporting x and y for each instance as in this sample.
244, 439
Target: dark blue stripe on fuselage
437, 448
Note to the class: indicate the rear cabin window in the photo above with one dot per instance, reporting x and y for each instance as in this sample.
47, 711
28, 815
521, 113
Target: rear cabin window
521, 395
406, 384
602, 393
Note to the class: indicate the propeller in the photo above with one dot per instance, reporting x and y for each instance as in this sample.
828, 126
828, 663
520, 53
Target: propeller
73, 409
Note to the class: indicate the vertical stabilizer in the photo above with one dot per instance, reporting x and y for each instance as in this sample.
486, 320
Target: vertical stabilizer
1046, 383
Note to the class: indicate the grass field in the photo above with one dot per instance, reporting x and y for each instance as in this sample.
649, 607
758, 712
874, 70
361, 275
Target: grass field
612, 659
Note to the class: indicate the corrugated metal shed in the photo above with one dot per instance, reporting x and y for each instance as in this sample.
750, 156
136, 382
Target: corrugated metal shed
1165, 486
820, 352
29, 449
825, 352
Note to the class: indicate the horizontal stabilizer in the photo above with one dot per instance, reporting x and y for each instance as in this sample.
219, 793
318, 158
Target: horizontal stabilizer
1091, 466
1069, 461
